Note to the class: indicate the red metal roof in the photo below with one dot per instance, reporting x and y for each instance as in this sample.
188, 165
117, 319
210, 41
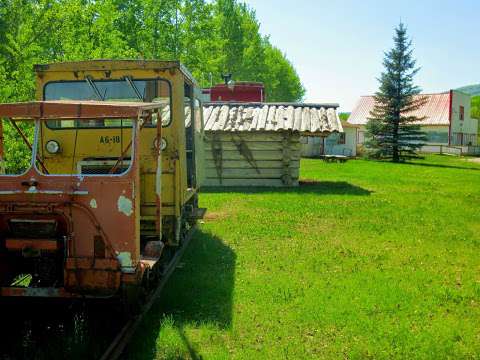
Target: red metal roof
436, 110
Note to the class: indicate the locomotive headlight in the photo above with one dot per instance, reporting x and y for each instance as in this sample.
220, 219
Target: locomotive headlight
52, 147
163, 144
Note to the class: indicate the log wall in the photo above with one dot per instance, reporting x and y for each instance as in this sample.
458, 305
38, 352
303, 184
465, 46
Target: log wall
252, 158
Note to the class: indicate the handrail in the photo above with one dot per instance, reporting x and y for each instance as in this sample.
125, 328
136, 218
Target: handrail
25, 140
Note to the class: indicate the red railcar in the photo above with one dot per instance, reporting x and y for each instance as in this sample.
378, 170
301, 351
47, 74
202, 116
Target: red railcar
77, 235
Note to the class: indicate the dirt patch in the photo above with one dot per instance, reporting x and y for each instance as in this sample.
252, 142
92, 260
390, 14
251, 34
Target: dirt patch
308, 182
475, 160
216, 215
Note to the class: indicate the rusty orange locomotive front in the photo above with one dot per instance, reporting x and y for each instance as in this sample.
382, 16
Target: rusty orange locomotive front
76, 234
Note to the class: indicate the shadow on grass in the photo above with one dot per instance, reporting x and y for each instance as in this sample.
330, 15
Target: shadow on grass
305, 187
426, 164
199, 292
442, 166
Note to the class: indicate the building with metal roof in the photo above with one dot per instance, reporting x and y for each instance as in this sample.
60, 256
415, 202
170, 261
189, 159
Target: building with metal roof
436, 110
446, 119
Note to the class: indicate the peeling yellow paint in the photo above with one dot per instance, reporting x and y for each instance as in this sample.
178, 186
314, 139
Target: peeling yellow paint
93, 204
125, 259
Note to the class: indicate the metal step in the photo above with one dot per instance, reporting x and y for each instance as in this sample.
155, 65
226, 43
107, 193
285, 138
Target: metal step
198, 213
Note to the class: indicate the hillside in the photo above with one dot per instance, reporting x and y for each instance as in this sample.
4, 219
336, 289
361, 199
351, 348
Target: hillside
472, 90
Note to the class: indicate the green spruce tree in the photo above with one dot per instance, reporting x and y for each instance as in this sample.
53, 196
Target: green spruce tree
393, 131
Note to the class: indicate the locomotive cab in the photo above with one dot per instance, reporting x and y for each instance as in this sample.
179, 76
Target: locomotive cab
165, 82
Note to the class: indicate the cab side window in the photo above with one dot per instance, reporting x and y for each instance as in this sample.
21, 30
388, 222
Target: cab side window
189, 135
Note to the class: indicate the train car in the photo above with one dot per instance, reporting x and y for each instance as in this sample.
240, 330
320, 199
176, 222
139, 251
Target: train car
110, 196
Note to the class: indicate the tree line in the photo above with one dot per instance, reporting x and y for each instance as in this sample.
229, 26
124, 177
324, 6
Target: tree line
476, 107
209, 37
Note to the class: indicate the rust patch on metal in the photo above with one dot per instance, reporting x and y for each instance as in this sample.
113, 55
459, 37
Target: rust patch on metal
35, 244
98, 247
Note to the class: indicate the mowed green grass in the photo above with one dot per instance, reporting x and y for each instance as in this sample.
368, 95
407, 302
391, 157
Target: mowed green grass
371, 260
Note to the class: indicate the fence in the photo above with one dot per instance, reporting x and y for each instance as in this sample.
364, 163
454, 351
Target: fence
451, 150
473, 150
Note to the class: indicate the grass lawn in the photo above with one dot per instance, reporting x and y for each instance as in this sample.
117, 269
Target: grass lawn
371, 260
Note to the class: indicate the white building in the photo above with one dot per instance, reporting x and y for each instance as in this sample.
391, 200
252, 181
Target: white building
341, 143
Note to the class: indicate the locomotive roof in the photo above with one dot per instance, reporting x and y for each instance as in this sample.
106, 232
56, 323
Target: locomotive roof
111, 65
75, 109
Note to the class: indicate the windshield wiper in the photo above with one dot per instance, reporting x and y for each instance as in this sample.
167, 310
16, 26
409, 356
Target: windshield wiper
94, 88
134, 87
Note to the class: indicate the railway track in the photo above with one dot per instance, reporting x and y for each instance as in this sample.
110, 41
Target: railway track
121, 340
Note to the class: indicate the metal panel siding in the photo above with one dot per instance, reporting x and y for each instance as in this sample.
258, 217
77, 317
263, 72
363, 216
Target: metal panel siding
240, 92
436, 110
313, 119
468, 127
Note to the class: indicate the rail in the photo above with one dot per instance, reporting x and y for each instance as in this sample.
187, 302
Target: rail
118, 345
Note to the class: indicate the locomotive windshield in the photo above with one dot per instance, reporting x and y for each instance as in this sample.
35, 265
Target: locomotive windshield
20, 151
150, 90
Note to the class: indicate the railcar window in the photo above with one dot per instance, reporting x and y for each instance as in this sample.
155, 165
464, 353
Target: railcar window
88, 124
197, 115
152, 90
189, 134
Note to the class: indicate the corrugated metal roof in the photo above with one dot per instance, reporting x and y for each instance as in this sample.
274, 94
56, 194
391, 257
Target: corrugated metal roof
436, 110
303, 118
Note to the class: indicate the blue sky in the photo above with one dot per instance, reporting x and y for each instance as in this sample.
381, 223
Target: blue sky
337, 46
